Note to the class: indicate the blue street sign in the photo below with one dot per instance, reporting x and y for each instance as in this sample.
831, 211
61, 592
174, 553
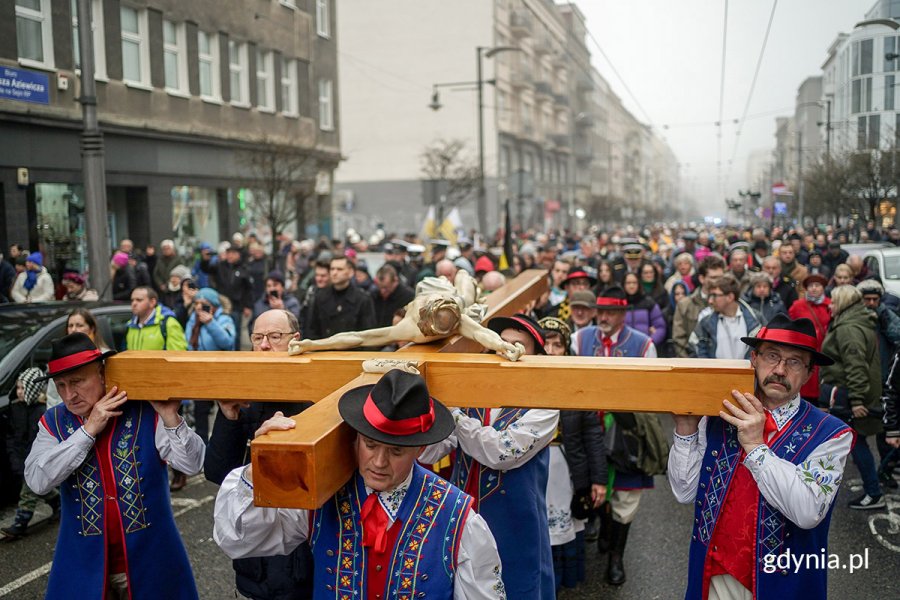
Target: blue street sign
26, 86
781, 208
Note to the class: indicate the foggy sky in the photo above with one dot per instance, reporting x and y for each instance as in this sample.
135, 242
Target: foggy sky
670, 55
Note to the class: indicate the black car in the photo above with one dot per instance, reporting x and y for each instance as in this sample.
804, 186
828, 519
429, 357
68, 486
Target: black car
26, 331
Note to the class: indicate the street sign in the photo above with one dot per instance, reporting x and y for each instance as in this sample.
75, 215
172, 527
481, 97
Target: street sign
25, 86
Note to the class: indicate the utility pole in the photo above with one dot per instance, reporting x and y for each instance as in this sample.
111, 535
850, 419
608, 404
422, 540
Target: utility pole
92, 161
482, 193
800, 174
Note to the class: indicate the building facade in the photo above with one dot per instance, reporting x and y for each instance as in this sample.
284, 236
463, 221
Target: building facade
547, 127
185, 92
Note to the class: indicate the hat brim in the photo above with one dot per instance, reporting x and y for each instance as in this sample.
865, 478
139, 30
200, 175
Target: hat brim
592, 280
498, 324
48, 377
350, 407
819, 359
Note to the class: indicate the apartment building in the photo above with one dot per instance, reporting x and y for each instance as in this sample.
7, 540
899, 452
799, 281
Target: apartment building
184, 91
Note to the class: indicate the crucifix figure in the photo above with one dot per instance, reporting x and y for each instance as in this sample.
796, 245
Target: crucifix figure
439, 310
305, 466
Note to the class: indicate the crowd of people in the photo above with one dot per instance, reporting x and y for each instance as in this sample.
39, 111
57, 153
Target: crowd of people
819, 329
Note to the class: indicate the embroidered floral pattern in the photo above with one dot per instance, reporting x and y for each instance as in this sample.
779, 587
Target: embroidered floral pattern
821, 475
391, 500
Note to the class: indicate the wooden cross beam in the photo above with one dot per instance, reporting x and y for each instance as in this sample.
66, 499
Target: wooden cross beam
303, 467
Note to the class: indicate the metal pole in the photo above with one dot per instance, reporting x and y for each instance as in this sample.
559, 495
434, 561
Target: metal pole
828, 131
94, 173
800, 173
482, 199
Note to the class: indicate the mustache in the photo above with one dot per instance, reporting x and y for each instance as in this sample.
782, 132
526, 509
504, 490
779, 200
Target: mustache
777, 379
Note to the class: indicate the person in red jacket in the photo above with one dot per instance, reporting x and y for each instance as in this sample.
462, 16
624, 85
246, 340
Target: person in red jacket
813, 305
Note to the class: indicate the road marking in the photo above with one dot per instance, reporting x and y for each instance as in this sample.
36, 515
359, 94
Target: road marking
892, 529
185, 504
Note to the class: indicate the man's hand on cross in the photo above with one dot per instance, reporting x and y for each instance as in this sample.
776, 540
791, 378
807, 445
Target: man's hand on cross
749, 418
686, 425
231, 409
168, 412
278, 422
104, 410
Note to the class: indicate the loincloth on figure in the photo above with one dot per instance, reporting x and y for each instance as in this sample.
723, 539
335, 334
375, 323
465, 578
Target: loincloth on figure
439, 317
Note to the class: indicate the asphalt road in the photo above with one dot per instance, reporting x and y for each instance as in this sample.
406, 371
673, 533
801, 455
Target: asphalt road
655, 560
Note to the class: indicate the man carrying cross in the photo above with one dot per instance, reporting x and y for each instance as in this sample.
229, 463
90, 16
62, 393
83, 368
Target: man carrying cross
502, 460
395, 530
763, 475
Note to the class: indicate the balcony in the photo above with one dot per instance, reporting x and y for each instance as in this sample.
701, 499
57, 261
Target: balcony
584, 82
542, 45
561, 101
560, 140
543, 91
520, 23
521, 77
584, 121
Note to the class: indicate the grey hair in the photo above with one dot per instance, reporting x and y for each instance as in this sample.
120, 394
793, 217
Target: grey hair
870, 286
843, 297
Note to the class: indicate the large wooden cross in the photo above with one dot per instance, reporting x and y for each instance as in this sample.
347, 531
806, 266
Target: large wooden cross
305, 466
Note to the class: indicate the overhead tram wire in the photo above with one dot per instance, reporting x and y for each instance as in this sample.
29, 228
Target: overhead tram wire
762, 51
587, 70
719, 187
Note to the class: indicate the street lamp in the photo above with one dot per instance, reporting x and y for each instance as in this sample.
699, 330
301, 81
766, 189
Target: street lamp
486, 52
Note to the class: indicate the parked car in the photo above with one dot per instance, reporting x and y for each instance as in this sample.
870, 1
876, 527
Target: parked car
865, 248
885, 262
26, 333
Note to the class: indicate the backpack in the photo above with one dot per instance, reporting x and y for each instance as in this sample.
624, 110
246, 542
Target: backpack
636, 443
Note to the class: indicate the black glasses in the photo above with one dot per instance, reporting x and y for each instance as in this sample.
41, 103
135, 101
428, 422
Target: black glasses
274, 337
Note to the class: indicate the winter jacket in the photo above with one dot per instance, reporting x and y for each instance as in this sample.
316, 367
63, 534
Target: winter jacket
41, 292
123, 283
820, 315
335, 311
7, 279
271, 577
890, 399
233, 280
767, 307
163, 269
687, 314
582, 438
703, 341
150, 335
852, 343
386, 307
888, 336
787, 289
23, 428
218, 334
643, 314
833, 261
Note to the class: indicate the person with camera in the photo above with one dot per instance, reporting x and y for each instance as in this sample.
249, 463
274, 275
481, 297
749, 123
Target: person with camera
275, 297
209, 328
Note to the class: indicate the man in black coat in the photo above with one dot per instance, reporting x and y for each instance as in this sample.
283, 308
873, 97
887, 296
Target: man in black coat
341, 306
233, 281
269, 577
391, 295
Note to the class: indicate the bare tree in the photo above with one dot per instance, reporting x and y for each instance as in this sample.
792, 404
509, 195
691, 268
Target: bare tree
281, 177
449, 161
873, 174
828, 187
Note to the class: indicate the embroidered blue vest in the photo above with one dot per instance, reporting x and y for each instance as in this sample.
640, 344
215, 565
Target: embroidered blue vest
432, 515
630, 343
157, 563
514, 504
775, 534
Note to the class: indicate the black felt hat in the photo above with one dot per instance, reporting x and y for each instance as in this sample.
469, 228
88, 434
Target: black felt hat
612, 298
522, 323
398, 411
72, 352
580, 274
799, 333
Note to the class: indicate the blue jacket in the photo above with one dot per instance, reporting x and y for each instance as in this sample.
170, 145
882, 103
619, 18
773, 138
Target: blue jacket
218, 334
703, 341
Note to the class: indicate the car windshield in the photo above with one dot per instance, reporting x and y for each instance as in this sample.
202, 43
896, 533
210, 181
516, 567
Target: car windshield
891, 268
14, 329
